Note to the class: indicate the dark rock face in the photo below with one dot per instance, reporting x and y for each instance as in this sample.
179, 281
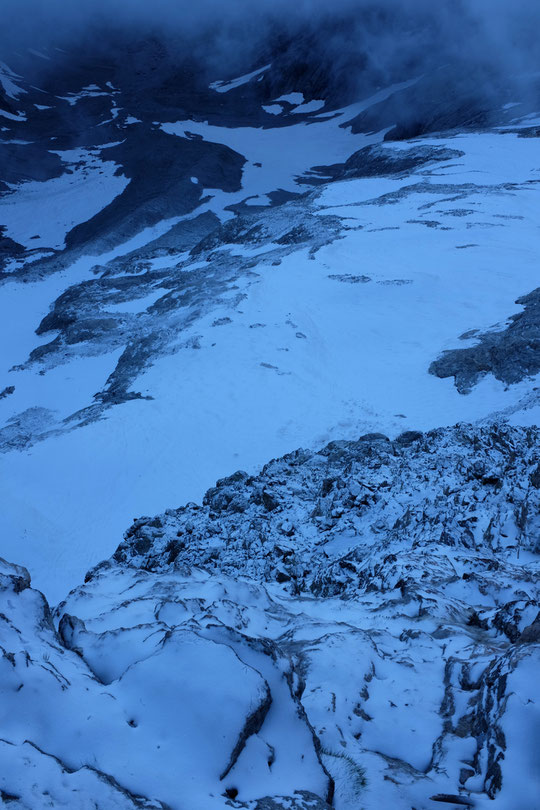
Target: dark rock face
252, 725
28, 161
159, 167
375, 161
9, 389
439, 102
8, 247
409, 437
510, 355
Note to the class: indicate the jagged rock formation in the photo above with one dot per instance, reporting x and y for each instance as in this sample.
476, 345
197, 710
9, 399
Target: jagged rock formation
379, 161
314, 519
357, 626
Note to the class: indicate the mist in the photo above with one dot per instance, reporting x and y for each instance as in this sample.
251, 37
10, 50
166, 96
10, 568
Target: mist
489, 41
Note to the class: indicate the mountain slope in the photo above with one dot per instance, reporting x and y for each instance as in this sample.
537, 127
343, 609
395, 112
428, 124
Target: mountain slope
368, 613
311, 302
223, 237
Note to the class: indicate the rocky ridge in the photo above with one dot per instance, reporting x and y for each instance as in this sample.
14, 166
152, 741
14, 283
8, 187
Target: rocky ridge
354, 627
314, 519
509, 354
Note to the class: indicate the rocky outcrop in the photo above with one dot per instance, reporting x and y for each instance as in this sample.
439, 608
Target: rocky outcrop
323, 519
510, 354
379, 160
356, 626
168, 711
428, 539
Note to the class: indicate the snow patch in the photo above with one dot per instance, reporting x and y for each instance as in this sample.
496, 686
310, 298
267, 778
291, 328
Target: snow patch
225, 86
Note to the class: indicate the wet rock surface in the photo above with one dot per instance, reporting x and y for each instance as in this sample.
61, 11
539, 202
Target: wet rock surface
436, 103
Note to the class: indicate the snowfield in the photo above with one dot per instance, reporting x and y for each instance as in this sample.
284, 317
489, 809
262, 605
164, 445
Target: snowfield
308, 347
259, 280
40, 214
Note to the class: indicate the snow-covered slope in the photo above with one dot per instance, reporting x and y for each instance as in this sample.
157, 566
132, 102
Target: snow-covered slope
359, 626
202, 269
293, 305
